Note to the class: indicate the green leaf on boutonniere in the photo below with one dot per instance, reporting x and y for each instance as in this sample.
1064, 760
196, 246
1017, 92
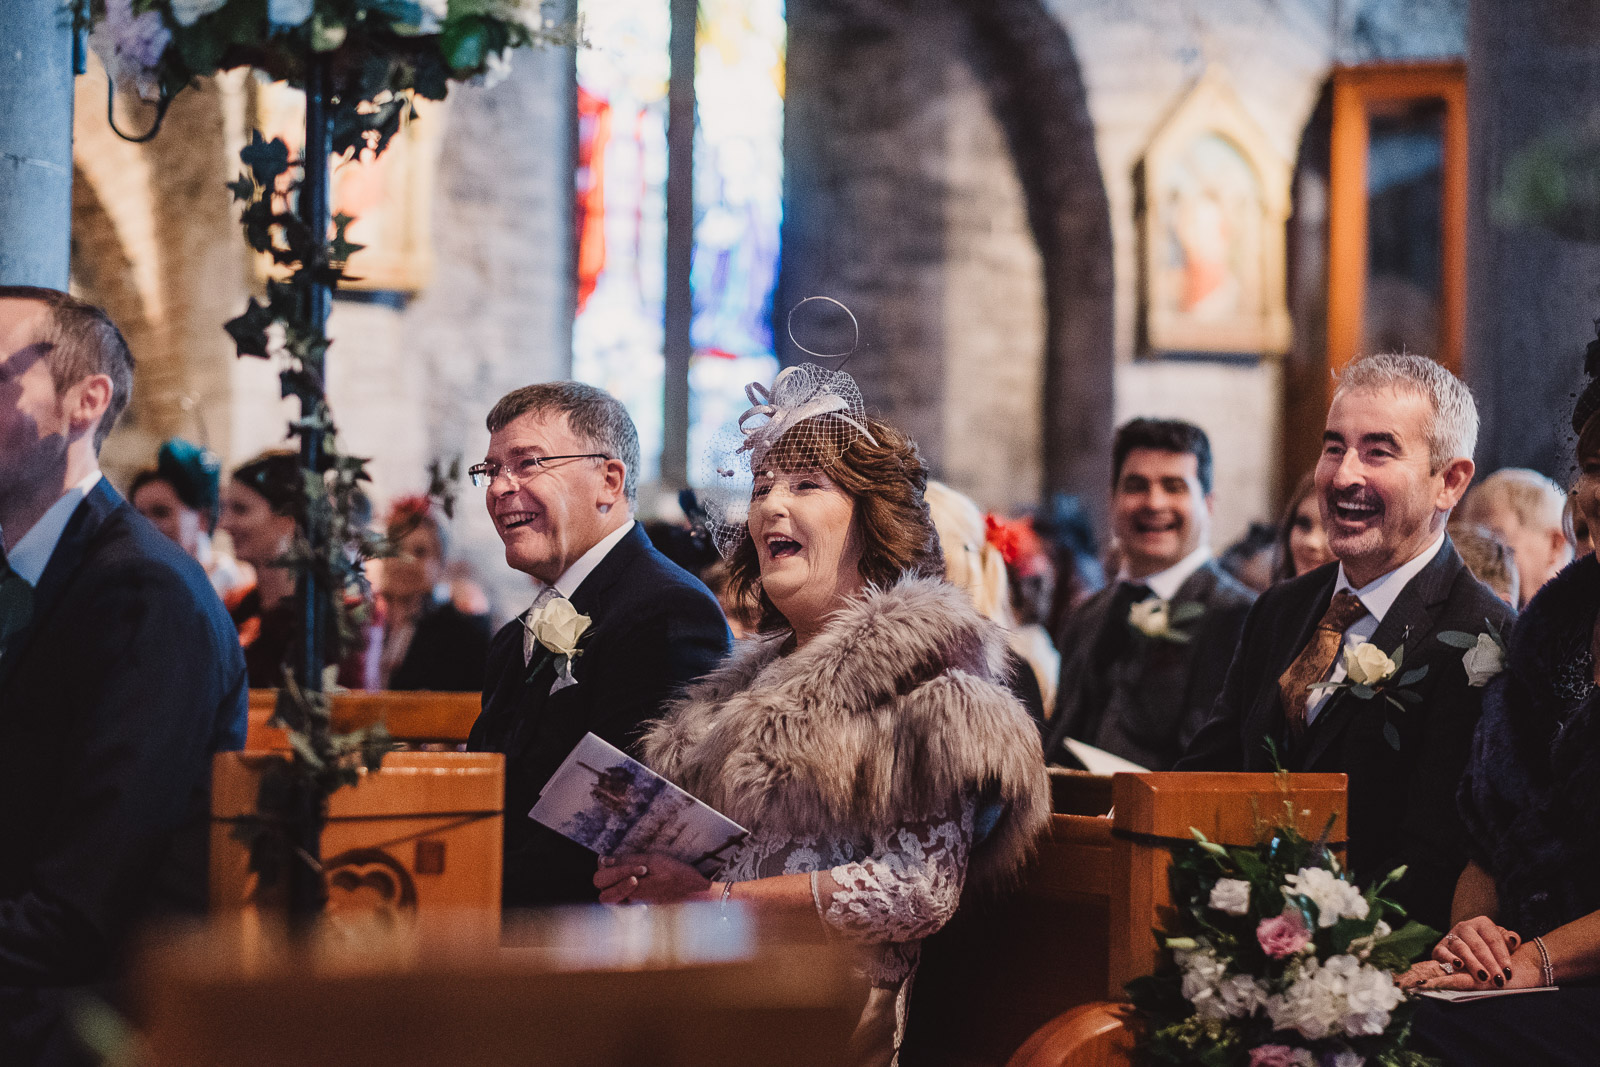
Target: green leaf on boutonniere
1458, 639
1391, 734
1413, 677
1188, 611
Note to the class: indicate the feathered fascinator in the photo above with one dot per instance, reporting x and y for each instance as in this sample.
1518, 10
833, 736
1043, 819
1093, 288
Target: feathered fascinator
805, 420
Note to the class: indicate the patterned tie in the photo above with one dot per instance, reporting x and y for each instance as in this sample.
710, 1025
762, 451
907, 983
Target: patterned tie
1315, 660
547, 594
16, 601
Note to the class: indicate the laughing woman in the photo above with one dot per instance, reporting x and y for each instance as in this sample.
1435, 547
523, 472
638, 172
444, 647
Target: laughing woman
866, 736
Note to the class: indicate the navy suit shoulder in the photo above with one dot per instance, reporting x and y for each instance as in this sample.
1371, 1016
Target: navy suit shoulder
112, 702
654, 628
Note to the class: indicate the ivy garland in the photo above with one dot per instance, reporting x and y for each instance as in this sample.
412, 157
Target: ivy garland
365, 60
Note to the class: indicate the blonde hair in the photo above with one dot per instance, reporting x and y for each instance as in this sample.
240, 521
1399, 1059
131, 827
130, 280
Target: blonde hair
1535, 500
1489, 558
970, 561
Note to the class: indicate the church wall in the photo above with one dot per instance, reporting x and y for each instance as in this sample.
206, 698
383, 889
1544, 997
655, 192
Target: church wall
1139, 60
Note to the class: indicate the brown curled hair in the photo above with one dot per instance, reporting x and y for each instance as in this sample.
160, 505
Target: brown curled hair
885, 478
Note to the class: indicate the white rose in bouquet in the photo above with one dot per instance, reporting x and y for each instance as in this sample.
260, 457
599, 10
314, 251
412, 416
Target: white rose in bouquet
1367, 665
1370, 995
188, 12
1231, 896
1334, 897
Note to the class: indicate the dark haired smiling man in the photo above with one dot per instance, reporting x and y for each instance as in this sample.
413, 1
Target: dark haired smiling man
1144, 658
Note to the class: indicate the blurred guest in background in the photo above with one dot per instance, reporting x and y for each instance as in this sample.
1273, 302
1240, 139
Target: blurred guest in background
1524, 509
1144, 659
1031, 578
1251, 560
1488, 557
428, 643
180, 496
1074, 554
258, 513
1302, 541
976, 567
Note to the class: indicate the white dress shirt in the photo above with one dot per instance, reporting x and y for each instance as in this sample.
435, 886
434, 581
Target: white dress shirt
1377, 596
31, 555
570, 579
1165, 584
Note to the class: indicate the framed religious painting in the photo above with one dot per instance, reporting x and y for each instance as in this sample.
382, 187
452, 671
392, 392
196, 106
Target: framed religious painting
1214, 197
390, 197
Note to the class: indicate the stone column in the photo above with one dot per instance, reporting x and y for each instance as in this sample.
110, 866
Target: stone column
1533, 285
35, 142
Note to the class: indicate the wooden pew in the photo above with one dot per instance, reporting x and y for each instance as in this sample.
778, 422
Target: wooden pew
417, 839
685, 986
413, 717
1153, 810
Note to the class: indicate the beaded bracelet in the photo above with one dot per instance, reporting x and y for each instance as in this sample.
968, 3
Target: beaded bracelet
727, 891
1547, 973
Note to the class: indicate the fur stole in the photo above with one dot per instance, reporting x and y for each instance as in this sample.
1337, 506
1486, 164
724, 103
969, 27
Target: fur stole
1531, 795
887, 716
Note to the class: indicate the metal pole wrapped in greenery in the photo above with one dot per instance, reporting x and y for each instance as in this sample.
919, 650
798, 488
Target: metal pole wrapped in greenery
360, 62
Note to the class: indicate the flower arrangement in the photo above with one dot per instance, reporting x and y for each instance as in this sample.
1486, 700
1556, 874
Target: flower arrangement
1280, 961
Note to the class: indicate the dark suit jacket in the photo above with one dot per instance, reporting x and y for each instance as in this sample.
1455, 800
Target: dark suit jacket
112, 703
447, 653
1402, 807
655, 629
1153, 698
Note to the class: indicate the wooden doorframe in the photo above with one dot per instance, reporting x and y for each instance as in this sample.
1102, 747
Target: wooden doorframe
1356, 90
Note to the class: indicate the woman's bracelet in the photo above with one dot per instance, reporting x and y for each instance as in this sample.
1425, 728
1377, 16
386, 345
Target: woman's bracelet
1547, 973
727, 891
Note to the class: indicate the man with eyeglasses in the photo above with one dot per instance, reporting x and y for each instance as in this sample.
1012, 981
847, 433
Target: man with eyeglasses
615, 630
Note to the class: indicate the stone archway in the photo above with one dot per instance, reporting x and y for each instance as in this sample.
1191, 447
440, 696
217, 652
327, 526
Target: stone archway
942, 180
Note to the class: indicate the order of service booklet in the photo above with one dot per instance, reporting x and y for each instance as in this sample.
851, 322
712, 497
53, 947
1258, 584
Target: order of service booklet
609, 802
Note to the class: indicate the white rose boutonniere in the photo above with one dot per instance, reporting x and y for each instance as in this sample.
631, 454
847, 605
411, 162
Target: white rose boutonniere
1485, 653
558, 627
1159, 619
1368, 673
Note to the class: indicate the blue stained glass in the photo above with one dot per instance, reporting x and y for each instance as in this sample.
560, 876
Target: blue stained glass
738, 199
621, 209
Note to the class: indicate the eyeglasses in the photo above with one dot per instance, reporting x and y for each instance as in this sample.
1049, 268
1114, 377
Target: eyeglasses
520, 470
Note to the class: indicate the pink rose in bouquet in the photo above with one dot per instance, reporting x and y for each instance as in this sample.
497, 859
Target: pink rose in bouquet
1283, 935
1279, 1056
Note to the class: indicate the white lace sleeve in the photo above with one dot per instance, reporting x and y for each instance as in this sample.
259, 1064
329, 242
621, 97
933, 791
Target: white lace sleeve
907, 889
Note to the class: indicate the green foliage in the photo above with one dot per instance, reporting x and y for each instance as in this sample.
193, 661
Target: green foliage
1177, 1031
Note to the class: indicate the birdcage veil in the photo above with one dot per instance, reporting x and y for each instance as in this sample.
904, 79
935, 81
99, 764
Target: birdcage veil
805, 420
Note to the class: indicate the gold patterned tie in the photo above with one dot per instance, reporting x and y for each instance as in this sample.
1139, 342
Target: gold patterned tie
1314, 661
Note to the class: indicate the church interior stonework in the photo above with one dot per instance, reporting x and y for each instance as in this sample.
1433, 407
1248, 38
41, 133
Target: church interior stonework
942, 533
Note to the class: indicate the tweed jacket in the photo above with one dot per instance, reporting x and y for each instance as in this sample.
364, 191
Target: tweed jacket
1147, 703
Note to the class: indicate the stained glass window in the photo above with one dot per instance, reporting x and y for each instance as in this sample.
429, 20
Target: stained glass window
621, 203
738, 206
621, 209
